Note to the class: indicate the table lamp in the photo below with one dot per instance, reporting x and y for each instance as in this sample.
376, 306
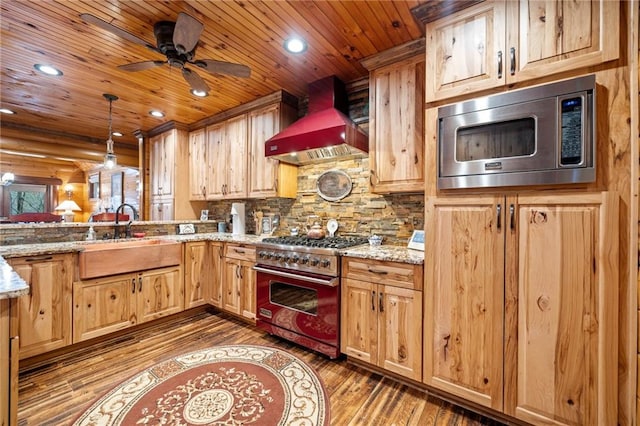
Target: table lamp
68, 207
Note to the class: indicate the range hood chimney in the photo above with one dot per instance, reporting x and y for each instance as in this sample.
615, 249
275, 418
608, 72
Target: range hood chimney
325, 133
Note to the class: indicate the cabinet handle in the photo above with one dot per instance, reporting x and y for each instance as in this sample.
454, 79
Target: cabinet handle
512, 215
373, 300
500, 64
276, 185
512, 59
377, 271
239, 251
380, 302
140, 284
39, 259
237, 271
499, 215
133, 285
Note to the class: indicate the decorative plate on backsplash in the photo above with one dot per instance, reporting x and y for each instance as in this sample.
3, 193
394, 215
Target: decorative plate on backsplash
334, 185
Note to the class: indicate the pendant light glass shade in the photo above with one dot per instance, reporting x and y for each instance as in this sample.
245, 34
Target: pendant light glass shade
110, 159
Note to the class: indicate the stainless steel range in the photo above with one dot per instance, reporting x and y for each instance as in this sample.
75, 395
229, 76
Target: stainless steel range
298, 289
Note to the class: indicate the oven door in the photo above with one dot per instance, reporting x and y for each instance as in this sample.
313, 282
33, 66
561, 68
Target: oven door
305, 304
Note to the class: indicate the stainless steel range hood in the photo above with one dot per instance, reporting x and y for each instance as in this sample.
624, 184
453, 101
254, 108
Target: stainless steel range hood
325, 133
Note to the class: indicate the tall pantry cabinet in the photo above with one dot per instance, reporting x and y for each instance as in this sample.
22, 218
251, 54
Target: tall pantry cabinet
169, 188
523, 305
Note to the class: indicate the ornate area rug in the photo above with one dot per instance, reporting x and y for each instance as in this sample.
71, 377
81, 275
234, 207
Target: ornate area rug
225, 385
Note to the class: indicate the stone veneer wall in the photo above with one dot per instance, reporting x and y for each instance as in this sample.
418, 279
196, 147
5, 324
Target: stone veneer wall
77, 231
361, 213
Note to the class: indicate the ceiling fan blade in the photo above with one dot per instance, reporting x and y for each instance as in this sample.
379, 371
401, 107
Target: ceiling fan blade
90, 19
186, 33
195, 81
219, 67
141, 66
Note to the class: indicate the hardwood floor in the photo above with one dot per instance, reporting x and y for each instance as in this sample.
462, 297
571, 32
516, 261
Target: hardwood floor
55, 392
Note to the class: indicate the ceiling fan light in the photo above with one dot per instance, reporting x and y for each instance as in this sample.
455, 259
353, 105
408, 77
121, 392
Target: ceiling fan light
48, 69
116, 134
199, 93
6, 111
295, 45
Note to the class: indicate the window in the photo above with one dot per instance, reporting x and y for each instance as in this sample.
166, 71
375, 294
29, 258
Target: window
29, 195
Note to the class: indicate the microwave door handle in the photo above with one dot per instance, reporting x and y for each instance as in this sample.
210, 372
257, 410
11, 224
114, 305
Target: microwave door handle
499, 64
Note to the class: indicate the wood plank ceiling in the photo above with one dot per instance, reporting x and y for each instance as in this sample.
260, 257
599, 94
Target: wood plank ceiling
339, 34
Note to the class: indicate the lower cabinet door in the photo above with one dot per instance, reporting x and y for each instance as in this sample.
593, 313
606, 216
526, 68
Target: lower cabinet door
161, 293
359, 320
400, 331
103, 305
231, 286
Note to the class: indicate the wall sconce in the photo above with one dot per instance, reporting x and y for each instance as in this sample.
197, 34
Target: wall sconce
7, 179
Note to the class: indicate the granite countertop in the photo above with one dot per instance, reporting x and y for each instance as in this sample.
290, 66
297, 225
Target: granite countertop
385, 252
11, 285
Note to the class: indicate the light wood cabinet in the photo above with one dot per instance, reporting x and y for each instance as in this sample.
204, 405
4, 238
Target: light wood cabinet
8, 366
161, 208
216, 253
239, 283
495, 43
227, 159
44, 315
524, 304
381, 314
162, 163
269, 177
198, 169
105, 305
196, 274
396, 126
169, 179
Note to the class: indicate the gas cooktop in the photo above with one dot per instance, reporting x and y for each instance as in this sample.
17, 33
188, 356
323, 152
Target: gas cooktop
330, 242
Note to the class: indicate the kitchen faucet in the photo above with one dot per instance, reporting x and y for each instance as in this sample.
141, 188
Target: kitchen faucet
116, 234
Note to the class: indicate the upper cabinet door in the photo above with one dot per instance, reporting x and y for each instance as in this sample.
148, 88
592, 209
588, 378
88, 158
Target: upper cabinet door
553, 36
496, 43
198, 165
263, 124
465, 51
396, 129
217, 161
236, 160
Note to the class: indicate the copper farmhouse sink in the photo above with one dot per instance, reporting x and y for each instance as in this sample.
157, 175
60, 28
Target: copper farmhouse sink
118, 257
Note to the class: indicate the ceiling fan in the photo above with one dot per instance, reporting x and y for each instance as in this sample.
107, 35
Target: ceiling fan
177, 41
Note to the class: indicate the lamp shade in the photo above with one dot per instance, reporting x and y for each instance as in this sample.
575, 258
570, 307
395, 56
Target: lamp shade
68, 206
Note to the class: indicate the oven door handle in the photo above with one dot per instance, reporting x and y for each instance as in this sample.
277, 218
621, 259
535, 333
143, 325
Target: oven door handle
329, 282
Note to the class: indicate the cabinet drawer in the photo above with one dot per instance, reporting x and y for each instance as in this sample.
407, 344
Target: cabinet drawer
389, 273
240, 252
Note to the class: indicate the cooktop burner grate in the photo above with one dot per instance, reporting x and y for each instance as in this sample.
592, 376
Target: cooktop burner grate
331, 242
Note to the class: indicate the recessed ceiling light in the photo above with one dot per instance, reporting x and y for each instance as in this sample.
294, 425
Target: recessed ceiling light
156, 113
199, 93
48, 69
6, 111
295, 45
116, 134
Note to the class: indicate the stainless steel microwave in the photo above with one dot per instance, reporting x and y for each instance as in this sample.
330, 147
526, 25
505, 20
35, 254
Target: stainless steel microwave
536, 136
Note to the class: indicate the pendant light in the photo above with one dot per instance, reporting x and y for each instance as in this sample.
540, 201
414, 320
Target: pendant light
110, 159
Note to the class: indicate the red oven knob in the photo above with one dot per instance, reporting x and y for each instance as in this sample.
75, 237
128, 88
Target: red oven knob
295, 258
304, 260
315, 261
326, 263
